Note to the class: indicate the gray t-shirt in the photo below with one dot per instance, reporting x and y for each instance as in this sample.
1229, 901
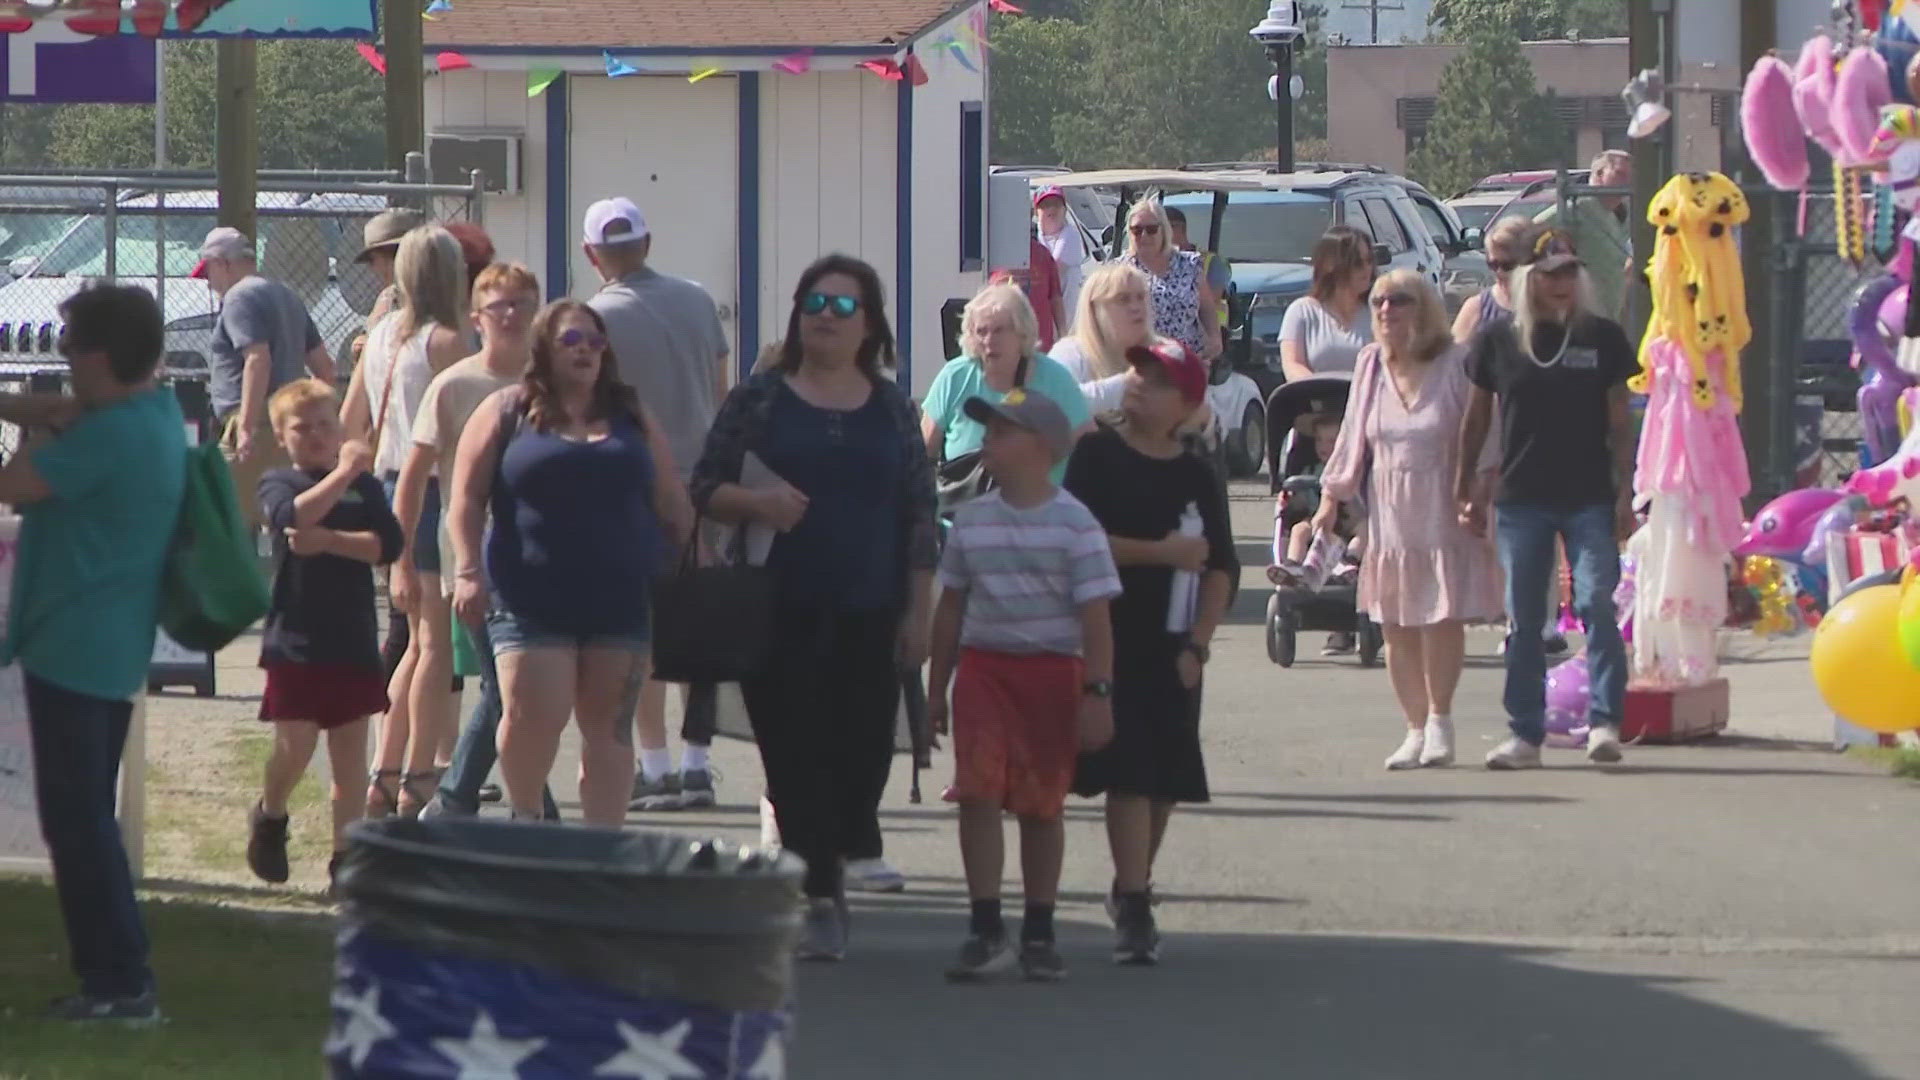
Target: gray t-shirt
1330, 347
258, 309
666, 337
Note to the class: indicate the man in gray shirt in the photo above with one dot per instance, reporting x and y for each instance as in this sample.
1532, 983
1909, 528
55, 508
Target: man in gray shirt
666, 337
263, 339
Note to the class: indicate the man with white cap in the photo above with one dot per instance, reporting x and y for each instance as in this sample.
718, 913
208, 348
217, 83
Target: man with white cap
263, 338
666, 338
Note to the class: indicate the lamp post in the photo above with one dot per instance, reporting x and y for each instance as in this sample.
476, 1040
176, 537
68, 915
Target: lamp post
1278, 32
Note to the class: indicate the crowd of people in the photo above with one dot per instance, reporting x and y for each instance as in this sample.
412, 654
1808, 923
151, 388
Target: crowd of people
1037, 534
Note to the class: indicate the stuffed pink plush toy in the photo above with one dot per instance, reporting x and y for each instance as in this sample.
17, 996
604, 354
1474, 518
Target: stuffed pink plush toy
1859, 93
1813, 80
1772, 127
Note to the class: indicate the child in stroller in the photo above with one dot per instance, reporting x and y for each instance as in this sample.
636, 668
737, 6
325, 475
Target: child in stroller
1294, 562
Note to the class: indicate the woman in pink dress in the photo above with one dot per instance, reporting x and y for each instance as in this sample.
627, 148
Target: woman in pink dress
1424, 576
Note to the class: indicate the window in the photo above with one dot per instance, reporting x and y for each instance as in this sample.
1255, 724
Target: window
1435, 221
1276, 228
973, 186
1385, 227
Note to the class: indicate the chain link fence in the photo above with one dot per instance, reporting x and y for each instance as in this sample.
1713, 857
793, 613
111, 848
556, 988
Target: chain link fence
59, 232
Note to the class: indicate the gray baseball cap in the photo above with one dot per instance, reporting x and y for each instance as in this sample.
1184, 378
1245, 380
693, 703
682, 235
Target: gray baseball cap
1037, 413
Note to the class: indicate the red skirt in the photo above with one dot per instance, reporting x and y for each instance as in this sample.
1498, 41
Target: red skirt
330, 695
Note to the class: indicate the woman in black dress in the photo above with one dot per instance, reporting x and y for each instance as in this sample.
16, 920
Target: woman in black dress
1166, 516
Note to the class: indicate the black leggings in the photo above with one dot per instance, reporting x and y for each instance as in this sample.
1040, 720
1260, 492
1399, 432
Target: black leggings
824, 716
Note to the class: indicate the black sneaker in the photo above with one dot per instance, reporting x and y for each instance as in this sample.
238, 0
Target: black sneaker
491, 793
1554, 644
696, 789
1338, 645
982, 957
142, 1011
1136, 938
1041, 962
267, 846
333, 876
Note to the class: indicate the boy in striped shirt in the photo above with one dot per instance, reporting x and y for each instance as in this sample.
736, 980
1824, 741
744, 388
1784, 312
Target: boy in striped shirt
1025, 584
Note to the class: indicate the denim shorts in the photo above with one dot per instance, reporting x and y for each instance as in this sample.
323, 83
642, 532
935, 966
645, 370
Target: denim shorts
426, 537
508, 632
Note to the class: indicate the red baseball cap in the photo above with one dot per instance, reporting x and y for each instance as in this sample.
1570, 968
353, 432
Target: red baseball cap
1049, 193
1181, 365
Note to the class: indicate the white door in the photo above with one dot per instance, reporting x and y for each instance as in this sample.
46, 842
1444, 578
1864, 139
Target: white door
673, 148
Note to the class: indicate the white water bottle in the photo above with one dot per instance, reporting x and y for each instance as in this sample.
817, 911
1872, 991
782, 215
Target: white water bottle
1184, 598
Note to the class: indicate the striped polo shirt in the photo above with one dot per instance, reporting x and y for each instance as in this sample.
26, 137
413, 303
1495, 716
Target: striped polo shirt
1027, 573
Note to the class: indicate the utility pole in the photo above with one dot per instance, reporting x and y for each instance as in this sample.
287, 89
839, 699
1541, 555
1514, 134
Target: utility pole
1373, 8
237, 129
1767, 365
406, 80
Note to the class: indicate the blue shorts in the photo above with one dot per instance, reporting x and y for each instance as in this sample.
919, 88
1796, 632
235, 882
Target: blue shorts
426, 538
509, 632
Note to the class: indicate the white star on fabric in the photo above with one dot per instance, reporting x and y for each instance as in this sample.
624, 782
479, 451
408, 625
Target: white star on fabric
484, 1055
772, 1062
365, 1026
652, 1057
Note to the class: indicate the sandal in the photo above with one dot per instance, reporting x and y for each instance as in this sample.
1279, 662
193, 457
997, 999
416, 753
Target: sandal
411, 801
383, 801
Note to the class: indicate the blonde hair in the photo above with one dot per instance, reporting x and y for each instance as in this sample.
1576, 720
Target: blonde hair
998, 297
431, 274
1432, 335
1524, 315
1112, 279
1605, 158
299, 395
1154, 211
1511, 230
504, 278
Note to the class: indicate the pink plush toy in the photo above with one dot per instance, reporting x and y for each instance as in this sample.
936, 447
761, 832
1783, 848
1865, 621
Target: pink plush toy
1859, 93
1813, 81
1773, 132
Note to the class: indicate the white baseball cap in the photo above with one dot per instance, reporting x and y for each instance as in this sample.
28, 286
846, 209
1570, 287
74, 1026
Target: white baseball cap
222, 243
615, 221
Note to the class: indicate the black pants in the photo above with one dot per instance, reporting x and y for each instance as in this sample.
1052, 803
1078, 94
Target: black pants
77, 740
824, 715
701, 721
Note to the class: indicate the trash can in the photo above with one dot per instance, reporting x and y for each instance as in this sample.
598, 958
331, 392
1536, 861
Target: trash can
493, 948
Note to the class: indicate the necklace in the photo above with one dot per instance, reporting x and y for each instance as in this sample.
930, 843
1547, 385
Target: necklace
1565, 337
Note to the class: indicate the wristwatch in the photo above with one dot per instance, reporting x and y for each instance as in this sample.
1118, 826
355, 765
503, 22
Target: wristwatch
1098, 688
1200, 652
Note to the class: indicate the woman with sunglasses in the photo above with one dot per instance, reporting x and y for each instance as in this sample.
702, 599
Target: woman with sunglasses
1558, 376
584, 500
852, 562
1183, 302
1425, 576
1323, 332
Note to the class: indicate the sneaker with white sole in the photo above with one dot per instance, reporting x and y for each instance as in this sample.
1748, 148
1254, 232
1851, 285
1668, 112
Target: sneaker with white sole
874, 875
982, 957
1439, 749
133, 1012
696, 790
659, 793
1411, 747
1514, 754
1603, 744
823, 936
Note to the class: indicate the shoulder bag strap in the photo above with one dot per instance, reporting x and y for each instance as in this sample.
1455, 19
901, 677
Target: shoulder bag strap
386, 392
1020, 372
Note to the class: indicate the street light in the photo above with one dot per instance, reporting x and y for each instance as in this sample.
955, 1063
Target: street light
1278, 32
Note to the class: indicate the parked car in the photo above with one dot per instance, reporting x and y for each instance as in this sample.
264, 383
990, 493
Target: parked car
1090, 209
306, 241
1465, 270
1523, 194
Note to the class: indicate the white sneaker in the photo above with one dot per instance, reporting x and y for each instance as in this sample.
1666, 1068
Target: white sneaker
1408, 756
1439, 751
874, 875
1603, 744
1515, 753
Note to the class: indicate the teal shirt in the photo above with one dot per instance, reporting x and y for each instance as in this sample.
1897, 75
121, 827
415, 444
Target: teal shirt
86, 580
963, 379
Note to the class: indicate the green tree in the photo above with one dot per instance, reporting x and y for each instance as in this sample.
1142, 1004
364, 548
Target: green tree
1529, 20
321, 106
1488, 116
1036, 77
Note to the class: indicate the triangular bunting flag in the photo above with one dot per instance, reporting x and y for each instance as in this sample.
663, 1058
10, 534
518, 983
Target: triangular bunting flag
886, 69
1004, 7
702, 70
539, 79
960, 53
372, 56
617, 67
436, 9
796, 63
916, 72
452, 61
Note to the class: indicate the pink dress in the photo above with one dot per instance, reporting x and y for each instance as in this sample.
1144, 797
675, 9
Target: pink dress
1420, 565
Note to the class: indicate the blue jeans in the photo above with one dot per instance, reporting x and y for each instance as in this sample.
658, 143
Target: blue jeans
476, 751
1526, 534
77, 740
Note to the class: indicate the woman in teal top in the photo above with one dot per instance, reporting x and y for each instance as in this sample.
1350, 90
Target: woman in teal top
998, 336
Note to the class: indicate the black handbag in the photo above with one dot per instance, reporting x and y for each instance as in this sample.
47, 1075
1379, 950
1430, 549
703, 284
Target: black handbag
964, 477
712, 624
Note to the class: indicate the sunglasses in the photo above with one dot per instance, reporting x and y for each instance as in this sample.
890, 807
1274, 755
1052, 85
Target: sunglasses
844, 307
573, 339
1502, 266
1393, 300
1144, 230
502, 309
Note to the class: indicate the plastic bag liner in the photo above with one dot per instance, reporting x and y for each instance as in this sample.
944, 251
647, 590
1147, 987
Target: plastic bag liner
464, 943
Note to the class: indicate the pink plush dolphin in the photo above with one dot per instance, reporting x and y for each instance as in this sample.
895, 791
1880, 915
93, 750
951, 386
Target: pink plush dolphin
1894, 479
1782, 527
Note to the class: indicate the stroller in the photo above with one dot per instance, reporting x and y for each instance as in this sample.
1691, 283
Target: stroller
1290, 462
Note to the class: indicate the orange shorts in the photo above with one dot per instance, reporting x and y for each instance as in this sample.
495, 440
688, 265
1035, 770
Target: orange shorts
1016, 730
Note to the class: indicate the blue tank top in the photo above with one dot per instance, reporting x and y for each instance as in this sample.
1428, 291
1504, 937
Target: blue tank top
1490, 310
575, 541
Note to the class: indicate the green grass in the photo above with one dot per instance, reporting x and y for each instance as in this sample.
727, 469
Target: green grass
1902, 761
245, 994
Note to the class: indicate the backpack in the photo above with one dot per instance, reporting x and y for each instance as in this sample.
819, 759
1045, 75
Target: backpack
211, 590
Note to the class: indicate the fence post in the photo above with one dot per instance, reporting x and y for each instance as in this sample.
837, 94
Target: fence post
477, 199
112, 215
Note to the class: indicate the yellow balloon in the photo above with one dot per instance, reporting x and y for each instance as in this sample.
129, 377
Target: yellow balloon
1860, 667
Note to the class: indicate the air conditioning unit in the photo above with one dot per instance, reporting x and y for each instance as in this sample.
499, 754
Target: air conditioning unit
452, 157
